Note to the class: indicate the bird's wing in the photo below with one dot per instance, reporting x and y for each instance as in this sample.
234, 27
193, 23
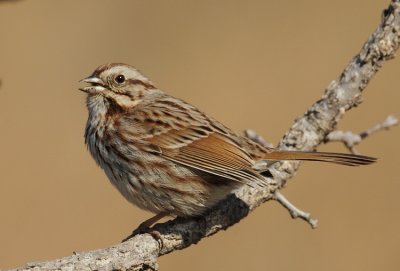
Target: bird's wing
183, 134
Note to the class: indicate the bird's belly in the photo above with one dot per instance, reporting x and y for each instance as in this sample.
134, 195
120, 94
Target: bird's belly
158, 185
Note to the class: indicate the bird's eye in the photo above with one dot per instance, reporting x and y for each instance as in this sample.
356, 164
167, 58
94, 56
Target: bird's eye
120, 79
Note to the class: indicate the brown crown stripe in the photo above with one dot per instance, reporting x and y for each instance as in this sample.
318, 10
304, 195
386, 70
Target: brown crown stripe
107, 66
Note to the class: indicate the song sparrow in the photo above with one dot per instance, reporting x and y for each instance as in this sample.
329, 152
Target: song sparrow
165, 155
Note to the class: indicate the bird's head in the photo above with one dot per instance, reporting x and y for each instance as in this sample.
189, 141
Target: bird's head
118, 84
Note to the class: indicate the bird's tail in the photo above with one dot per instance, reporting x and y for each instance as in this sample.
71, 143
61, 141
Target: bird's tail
331, 157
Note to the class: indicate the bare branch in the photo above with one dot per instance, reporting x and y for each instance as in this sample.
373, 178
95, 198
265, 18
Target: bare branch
252, 135
350, 139
294, 211
308, 131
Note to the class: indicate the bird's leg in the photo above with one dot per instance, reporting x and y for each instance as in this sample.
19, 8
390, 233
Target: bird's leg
145, 227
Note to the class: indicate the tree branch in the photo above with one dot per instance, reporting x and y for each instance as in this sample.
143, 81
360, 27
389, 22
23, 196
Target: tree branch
309, 131
294, 211
251, 134
350, 139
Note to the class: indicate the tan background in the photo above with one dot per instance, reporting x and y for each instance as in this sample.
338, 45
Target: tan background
256, 64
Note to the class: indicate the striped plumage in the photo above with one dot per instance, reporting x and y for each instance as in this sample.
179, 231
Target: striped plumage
165, 155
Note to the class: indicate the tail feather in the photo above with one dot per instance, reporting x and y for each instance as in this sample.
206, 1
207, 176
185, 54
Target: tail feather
331, 157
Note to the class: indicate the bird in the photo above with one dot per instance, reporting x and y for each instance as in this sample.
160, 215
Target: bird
168, 157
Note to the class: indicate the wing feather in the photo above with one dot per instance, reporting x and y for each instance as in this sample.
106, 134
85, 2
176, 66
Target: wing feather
183, 134
215, 154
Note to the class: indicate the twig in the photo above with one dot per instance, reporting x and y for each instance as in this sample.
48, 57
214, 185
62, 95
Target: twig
294, 211
309, 131
252, 135
350, 139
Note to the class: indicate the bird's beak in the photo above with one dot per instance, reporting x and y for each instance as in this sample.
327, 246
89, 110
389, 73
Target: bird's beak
96, 85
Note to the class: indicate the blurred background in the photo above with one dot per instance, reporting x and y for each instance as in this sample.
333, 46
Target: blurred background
250, 64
